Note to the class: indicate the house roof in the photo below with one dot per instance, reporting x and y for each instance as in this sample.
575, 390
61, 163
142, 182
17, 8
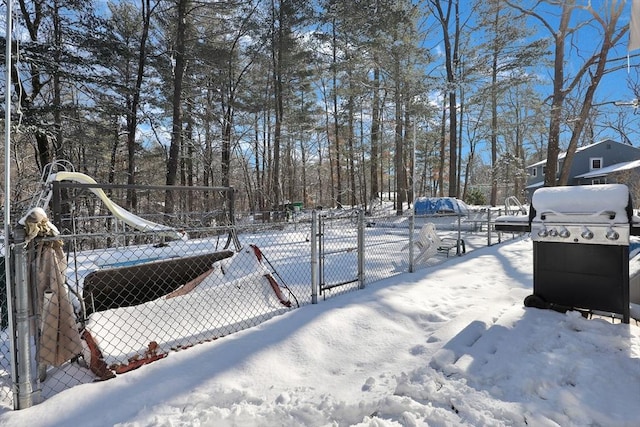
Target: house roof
609, 169
564, 153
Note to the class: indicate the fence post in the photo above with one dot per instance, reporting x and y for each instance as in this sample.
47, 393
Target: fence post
320, 234
361, 249
314, 257
9, 280
489, 226
459, 239
25, 392
412, 226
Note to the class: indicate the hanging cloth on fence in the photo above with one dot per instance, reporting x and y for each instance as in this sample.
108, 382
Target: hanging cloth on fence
59, 335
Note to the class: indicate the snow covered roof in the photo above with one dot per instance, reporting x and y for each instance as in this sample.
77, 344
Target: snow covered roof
564, 153
609, 169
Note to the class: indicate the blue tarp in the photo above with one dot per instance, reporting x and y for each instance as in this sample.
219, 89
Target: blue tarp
440, 206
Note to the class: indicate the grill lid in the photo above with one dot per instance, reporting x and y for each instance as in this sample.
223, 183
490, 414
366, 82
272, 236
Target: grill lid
589, 214
596, 204
576, 213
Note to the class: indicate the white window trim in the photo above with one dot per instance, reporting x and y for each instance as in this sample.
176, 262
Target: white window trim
591, 159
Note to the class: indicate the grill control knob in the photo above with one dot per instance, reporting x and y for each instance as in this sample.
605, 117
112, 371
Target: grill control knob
543, 232
553, 232
587, 234
564, 233
612, 234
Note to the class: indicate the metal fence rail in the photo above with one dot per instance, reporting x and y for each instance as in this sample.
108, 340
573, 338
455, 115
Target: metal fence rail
135, 297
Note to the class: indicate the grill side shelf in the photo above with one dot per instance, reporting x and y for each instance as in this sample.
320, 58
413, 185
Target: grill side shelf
514, 227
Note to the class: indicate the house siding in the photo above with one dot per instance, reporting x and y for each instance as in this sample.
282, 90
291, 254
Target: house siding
611, 152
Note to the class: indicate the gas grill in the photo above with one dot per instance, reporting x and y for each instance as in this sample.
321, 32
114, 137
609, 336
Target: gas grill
580, 240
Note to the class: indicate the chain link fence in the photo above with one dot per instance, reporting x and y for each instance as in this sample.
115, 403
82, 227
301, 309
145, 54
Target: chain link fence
6, 381
102, 302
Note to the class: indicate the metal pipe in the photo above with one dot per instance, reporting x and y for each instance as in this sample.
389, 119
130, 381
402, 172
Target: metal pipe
68, 184
489, 226
361, 249
56, 205
412, 226
499, 233
321, 254
314, 257
458, 252
27, 394
413, 199
7, 195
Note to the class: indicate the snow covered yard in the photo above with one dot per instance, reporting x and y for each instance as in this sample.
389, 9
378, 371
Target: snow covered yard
449, 345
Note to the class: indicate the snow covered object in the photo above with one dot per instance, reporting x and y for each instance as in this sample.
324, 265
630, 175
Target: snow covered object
440, 206
234, 294
59, 339
573, 202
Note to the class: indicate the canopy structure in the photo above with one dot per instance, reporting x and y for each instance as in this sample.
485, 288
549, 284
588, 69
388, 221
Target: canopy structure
440, 206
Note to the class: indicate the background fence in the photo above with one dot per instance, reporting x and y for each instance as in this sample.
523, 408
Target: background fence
136, 296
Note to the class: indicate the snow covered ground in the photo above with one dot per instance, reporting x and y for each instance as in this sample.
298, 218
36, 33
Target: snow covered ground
450, 344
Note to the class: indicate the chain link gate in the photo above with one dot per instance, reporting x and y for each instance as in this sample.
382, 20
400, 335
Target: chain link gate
340, 254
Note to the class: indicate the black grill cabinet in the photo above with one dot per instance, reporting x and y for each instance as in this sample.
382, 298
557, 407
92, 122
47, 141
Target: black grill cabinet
580, 247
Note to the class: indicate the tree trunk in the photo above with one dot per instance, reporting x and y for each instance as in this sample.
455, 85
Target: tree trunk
375, 134
351, 161
451, 63
277, 58
336, 124
57, 84
494, 112
132, 110
399, 146
443, 139
225, 155
176, 128
557, 100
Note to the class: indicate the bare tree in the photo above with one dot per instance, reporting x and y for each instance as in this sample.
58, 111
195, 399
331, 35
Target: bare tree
592, 70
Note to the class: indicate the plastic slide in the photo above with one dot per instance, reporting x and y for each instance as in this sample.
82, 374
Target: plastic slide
119, 212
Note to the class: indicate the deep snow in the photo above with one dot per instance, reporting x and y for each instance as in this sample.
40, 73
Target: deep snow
451, 344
